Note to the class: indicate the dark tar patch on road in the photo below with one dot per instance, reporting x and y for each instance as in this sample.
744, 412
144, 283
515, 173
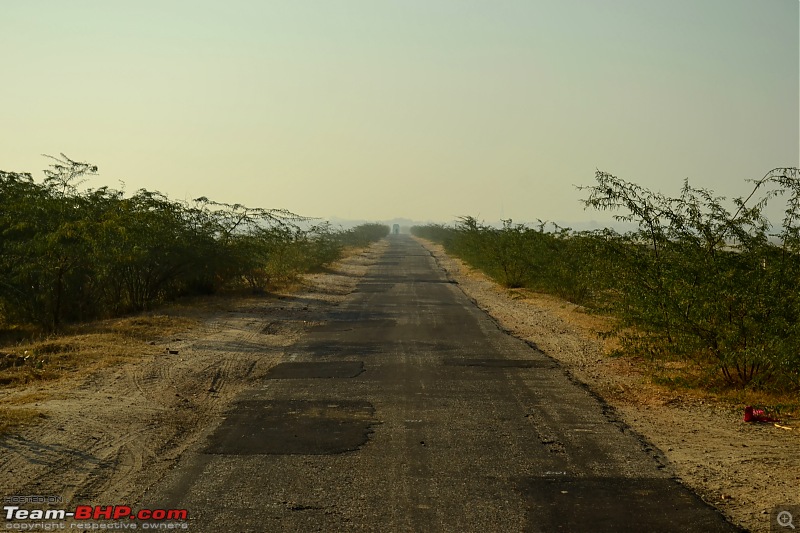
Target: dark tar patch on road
323, 369
341, 326
374, 287
614, 504
293, 427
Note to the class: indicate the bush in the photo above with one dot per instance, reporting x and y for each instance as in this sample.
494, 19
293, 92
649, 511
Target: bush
67, 255
519, 256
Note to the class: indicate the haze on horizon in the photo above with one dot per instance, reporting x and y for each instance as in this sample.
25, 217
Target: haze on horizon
422, 109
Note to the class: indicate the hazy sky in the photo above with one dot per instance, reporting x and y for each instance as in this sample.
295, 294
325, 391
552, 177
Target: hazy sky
425, 109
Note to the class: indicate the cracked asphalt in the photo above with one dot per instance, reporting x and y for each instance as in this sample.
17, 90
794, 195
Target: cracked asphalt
410, 410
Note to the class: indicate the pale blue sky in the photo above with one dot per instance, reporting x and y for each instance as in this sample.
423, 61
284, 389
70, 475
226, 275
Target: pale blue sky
421, 109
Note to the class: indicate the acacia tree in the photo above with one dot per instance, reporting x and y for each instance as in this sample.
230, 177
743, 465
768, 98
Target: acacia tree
21, 210
706, 284
44, 242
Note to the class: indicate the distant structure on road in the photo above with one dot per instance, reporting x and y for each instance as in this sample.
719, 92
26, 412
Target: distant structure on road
396, 228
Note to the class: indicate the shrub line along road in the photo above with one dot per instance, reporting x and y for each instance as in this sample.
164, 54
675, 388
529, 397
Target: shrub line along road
409, 410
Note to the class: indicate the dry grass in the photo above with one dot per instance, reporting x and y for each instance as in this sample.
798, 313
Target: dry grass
28, 398
88, 346
16, 417
78, 351
692, 379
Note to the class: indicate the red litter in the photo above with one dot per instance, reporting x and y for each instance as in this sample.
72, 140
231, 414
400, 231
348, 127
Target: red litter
757, 415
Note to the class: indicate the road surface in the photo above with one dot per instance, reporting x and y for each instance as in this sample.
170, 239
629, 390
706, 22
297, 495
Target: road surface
409, 410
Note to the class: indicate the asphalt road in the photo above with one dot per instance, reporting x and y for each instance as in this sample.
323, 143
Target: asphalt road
409, 410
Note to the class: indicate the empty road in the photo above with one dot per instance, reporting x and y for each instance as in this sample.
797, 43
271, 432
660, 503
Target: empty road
409, 410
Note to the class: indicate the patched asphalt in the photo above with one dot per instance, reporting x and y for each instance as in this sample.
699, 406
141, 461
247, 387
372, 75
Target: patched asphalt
410, 410
305, 427
316, 369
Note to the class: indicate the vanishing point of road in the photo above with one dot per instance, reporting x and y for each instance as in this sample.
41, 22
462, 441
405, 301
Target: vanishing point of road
410, 410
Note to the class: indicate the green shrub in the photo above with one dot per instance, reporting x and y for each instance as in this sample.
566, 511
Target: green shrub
67, 255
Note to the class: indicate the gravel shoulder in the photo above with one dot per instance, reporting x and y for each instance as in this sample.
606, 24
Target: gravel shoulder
106, 437
745, 470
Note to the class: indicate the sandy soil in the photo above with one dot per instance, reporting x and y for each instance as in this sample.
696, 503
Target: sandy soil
743, 469
106, 437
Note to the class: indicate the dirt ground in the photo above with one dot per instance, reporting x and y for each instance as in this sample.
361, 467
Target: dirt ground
93, 444
743, 469
105, 437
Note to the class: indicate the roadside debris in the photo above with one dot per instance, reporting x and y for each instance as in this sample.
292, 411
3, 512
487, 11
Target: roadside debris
757, 415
